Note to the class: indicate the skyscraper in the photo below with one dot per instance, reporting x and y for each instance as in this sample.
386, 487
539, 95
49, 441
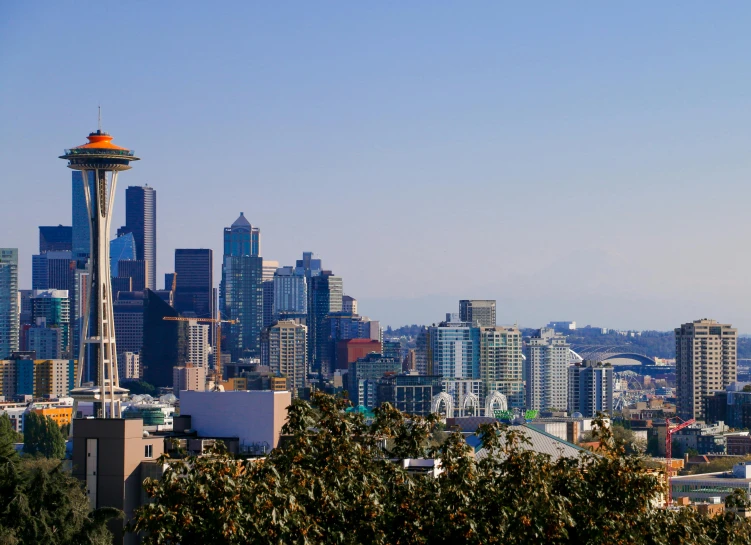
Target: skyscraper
241, 238
349, 304
52, 270
324, 297
290, 293
50, 309
194, 282
479, 312
198, 344
546, 370
590, 388
501, 363
129, 308
122, 248
55, 239
8, 302
80, 229
135, 269
705, 363
140, 219
241, 292
165, 343
284, 350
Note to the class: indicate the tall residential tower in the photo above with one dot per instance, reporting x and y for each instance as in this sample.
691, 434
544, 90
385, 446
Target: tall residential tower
705, 363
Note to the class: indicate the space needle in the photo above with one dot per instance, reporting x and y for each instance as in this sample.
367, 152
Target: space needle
99, 161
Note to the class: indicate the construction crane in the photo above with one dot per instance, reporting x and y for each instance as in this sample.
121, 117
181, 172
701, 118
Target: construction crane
669, 447
218, 353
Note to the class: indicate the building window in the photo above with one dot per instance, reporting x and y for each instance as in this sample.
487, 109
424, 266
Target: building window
148, 451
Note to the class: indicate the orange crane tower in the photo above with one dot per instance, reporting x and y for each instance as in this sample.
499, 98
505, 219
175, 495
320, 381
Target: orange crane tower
218, 337
669, 448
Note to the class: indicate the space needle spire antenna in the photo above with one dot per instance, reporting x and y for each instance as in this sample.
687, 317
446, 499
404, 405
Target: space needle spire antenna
99, 161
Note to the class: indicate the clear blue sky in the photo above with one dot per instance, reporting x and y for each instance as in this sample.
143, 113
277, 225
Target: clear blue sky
575, 160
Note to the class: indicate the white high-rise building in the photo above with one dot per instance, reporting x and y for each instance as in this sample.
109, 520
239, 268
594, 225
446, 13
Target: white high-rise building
501, 363
129, 366
546, 370
198, 344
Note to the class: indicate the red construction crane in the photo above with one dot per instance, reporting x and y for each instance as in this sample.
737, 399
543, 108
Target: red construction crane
669, 447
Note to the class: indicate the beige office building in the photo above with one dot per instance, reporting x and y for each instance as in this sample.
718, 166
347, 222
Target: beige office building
190, 377
705, 363
284, 349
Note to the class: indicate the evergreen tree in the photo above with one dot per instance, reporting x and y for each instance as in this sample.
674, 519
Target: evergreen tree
41, 503
8, 437
43, 436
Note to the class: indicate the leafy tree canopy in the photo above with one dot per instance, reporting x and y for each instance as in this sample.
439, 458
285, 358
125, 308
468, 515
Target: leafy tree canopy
42, 436
337, 479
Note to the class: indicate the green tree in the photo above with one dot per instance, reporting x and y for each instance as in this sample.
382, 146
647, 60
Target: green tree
8, 438
337, 479
140, 387
42, 436
41, 503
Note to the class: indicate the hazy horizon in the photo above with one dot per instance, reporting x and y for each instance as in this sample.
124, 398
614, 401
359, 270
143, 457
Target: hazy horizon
583, 162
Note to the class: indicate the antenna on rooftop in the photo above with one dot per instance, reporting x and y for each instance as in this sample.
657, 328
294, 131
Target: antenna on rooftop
100, 118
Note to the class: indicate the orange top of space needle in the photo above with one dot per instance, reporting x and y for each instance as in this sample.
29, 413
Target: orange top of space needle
100, 140
100, 153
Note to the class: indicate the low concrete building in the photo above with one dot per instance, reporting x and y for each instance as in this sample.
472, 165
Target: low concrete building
188, 378
254, 417
709, 485
108, 456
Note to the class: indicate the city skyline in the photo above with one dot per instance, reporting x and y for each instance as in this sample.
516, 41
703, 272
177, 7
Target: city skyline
453, 128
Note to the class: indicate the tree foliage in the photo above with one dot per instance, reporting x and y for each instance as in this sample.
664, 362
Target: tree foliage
8, 437
42, 436
41, 503
337, 479
140, 387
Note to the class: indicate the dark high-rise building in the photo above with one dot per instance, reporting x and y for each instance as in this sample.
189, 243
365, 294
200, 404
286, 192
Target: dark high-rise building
55, 239
140, 219
129, 308
165, 343
241, 238
268, 303
194, 282
121, 249
241, 292
170, 281
478, 312
80, 229
325, 296
135, 269
411, 394
121, 284
52, 270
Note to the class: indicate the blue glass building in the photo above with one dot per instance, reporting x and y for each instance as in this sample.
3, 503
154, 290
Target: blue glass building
241, 290
122, 248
